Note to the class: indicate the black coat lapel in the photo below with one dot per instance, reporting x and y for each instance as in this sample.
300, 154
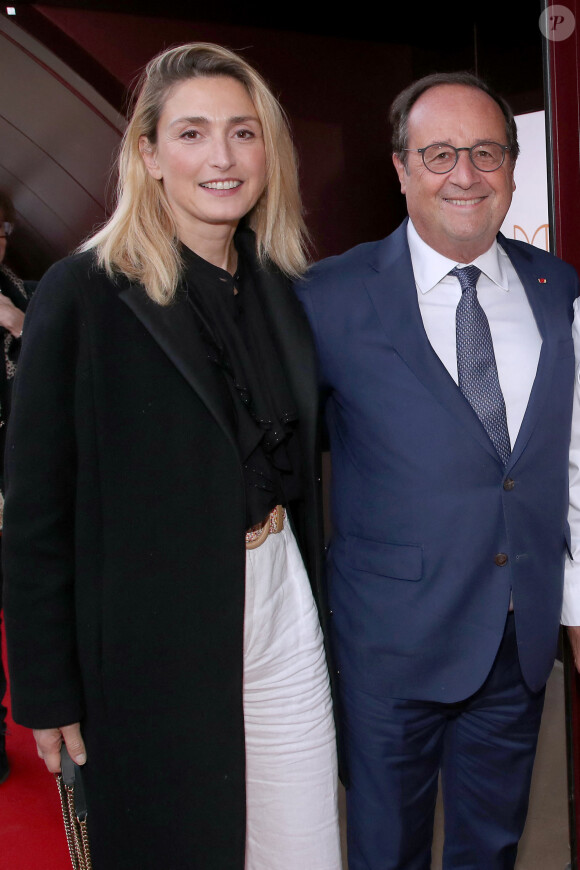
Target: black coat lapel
174, 329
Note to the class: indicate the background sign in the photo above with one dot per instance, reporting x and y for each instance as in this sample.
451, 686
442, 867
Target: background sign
527, 219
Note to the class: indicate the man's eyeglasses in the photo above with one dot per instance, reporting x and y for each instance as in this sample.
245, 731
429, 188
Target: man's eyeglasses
6, 229
441, 157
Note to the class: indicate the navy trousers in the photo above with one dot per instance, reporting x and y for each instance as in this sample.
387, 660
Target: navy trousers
484, 748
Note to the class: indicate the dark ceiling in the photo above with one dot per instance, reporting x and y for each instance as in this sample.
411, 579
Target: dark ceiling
443, 26
505, 47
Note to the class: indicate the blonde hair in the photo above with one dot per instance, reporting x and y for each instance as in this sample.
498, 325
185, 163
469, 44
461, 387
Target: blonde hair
140, 239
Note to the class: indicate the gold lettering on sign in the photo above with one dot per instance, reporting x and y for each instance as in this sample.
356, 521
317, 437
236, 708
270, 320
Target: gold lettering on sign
540, 237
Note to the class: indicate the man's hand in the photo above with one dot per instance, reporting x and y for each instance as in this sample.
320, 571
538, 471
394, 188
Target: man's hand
49, 741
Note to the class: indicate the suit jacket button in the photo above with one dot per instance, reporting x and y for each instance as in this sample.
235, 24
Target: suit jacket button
508, 484
501, 560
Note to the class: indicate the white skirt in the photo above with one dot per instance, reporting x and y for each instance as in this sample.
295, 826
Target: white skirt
291, 769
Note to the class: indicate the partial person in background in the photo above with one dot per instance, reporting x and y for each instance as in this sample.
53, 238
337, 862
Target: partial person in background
161, 460
13, 302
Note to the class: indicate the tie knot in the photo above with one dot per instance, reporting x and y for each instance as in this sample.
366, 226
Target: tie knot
467, 276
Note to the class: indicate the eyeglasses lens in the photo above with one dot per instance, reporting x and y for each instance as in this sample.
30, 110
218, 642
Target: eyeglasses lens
485, 156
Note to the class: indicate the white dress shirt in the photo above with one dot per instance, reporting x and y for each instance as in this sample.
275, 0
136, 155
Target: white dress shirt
571, 605
516, 339
515, 335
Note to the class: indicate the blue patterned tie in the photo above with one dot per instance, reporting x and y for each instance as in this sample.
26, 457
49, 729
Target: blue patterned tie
476, 367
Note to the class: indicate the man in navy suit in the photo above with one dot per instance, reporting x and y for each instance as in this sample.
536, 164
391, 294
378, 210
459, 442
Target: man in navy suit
448, 402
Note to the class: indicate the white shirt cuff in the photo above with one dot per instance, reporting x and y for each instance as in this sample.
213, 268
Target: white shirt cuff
571, 602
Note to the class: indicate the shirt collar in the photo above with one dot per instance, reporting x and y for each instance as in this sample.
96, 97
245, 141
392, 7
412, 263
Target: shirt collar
430, 267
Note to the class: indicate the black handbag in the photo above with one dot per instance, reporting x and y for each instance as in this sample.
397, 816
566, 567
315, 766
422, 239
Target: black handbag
74, 811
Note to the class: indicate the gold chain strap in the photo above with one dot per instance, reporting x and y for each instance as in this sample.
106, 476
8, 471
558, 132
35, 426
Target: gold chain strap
85, 844
76, 830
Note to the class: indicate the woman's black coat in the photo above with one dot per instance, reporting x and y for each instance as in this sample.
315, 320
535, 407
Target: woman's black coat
124, 558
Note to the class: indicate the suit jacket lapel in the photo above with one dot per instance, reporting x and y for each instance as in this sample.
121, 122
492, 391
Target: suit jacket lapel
392, 289
174, 329
538, 297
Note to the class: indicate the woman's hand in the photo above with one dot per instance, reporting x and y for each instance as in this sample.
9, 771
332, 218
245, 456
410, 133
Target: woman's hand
49, 741
11, 318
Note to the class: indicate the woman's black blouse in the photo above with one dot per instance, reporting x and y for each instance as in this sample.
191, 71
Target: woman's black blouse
235, 330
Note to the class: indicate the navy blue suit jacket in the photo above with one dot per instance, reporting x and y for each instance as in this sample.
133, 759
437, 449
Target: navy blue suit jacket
421, 503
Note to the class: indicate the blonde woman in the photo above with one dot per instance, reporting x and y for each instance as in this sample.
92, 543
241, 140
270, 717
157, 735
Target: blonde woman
161, 460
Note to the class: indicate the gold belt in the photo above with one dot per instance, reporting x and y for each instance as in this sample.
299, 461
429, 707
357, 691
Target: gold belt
273, 524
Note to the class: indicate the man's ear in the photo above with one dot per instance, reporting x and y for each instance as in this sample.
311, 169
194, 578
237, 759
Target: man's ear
401, 172
149, 155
